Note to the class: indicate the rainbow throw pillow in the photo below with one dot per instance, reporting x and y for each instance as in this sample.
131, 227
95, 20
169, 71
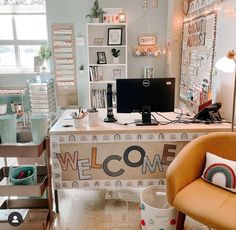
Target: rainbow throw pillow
220, 171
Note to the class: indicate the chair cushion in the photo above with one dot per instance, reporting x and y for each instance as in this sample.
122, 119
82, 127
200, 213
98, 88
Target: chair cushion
220, 171
208, 204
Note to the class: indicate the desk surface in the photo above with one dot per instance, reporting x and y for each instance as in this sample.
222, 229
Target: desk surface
117, 155
122, 118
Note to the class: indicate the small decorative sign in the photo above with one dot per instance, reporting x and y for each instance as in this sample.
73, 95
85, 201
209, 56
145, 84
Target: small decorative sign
98, 41
147, 51
111, 15
147, 40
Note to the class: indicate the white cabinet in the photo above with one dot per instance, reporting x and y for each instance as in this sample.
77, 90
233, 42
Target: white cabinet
102, 69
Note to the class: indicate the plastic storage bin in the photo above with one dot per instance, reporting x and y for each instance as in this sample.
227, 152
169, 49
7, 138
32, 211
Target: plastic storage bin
156, 213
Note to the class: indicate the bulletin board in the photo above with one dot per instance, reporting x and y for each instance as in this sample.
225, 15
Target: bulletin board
197, 59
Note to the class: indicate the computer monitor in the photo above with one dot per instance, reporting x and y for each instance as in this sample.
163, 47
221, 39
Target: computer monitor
145, 96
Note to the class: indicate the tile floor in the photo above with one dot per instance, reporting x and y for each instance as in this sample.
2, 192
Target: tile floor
81, 210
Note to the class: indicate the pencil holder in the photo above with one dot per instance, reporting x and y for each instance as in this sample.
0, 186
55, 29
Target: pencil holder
93, 118
79, 123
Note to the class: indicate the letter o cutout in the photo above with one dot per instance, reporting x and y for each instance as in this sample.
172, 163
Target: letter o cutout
127, 152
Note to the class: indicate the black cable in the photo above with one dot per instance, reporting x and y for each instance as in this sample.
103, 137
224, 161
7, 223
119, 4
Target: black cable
158, 122
178, 117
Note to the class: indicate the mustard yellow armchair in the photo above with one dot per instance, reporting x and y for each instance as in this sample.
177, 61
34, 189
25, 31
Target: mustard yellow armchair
195, 197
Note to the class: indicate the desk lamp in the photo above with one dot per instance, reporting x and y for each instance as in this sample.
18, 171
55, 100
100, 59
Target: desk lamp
227, 64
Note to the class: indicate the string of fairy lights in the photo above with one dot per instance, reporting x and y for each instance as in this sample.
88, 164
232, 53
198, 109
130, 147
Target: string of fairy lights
213, 7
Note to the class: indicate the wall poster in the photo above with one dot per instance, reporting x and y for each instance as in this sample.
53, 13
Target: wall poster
197, 59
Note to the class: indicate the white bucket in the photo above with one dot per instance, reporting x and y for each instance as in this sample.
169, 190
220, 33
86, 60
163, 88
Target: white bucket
156, 213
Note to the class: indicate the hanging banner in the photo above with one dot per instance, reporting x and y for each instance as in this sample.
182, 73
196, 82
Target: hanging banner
114, 160
194, 6
113, 164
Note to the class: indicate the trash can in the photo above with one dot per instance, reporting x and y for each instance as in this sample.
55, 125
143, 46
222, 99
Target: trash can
156, 213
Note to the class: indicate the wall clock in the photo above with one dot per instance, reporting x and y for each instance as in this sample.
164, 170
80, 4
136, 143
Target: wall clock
185, 6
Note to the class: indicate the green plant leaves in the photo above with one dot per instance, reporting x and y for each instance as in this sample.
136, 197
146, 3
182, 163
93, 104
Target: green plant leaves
115, 52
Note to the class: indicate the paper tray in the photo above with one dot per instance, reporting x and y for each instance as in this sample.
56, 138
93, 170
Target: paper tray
22, 149
6, 188
37, 217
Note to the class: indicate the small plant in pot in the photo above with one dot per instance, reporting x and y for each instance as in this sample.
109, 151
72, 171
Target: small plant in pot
81, 69
96, 12
44, 54
115, 53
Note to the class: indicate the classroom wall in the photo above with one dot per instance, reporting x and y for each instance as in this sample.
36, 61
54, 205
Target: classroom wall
155, 22
174, 43
75, 10
225, 41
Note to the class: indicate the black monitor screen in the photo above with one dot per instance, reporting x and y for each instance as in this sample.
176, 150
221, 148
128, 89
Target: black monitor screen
145, 95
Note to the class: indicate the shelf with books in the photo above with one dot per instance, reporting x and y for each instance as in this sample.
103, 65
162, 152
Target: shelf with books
103, 69
99, 98
111, 73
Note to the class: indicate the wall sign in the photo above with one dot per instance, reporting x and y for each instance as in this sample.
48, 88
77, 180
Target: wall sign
194, 6
147, 40
147, 46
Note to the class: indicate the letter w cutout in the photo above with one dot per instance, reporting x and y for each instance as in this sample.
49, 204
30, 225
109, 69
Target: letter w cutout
68, 159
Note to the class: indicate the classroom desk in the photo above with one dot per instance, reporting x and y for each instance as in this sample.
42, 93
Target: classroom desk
113, 155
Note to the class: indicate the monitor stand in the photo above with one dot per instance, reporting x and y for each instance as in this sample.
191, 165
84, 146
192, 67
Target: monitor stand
146, 117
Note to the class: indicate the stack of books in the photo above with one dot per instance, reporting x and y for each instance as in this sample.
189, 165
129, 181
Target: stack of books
96, 73
99, 98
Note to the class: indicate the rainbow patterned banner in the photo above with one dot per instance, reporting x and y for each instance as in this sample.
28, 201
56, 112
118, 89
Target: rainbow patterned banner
114, 160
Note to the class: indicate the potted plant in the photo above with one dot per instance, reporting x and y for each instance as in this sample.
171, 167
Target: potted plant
115, 53
44, 54
96, 12
81, 69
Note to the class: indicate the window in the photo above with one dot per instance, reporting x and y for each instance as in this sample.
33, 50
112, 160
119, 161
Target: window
21, 36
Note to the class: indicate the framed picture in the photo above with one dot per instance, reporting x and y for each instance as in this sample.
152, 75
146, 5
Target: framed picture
116, 73
101, 58
98, 41
148, 72
114, 36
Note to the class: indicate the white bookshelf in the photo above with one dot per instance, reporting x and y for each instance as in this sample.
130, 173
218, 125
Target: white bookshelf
99, 75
